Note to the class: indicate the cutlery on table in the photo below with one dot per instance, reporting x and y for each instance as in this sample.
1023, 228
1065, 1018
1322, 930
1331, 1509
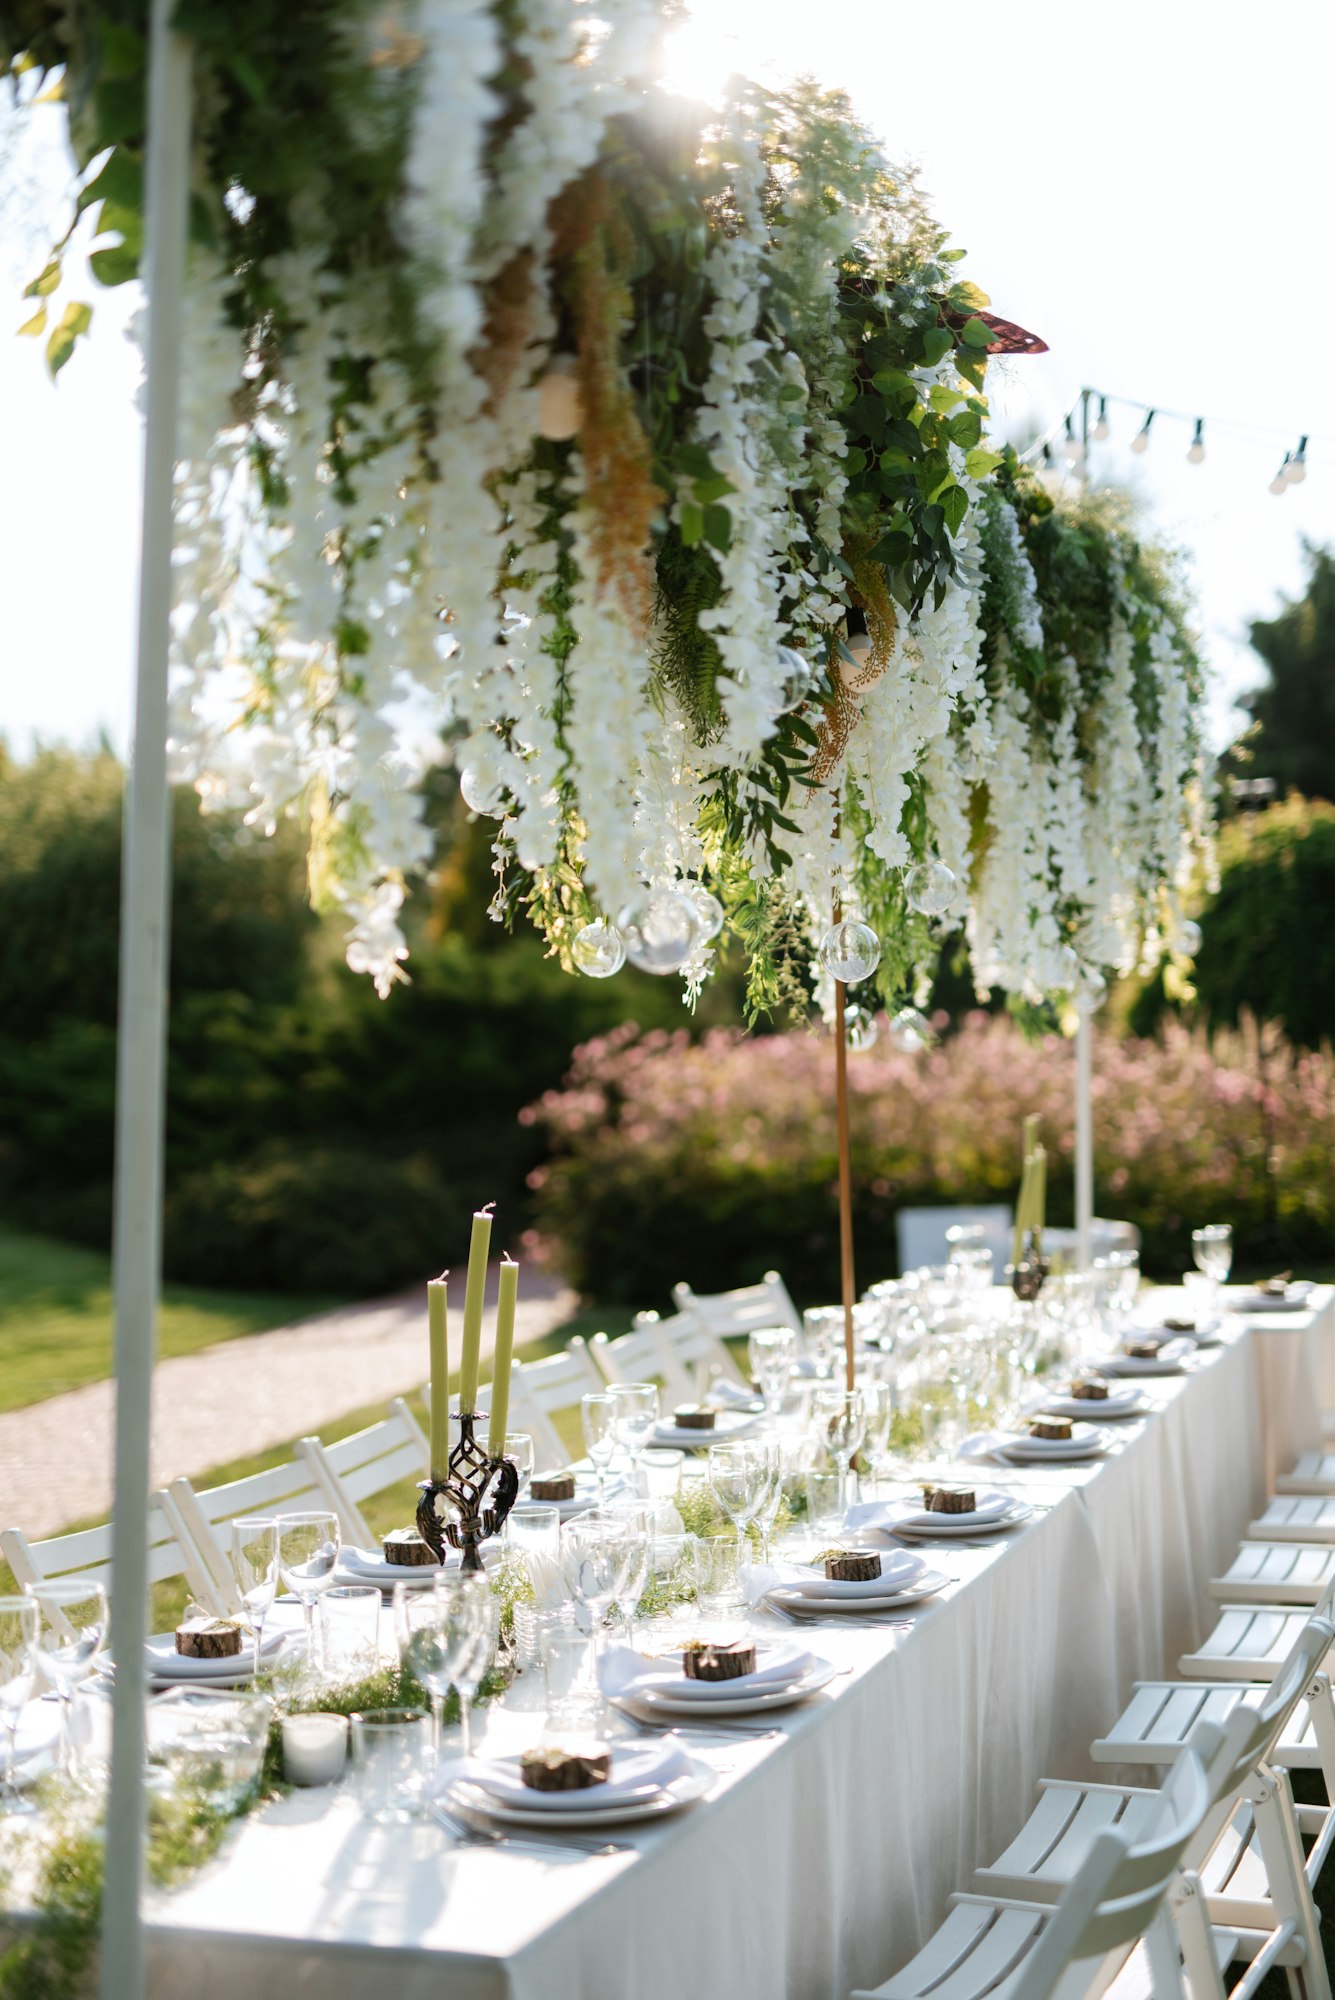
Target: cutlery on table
468, 1834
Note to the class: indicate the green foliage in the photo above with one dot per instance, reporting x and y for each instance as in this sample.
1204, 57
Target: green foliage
1292, 734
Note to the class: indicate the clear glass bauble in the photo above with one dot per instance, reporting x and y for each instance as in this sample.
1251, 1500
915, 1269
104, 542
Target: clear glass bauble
599, 950
708, 911
929, 888
911, 1031
1091, 990
482, 794
1066, 968
850, 951
661, 932
862, 1028
799, 677
1189, 937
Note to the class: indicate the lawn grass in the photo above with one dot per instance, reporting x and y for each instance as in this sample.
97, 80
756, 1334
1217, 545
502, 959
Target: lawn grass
56, 1317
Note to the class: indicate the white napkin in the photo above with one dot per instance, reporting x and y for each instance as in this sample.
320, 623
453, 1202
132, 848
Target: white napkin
38, 1730
999, 1444
365, 1566
1295, 1299
1203, 1331
634, 1772
899, 1569
624, 1672
1084, 1409
549, 1585
990, 1507
726, 1395
165, 1663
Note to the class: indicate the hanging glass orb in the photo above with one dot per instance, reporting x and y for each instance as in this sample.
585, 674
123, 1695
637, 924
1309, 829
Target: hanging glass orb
708, 911
661, 932
929, 887
1189, 937
1066, 967
1091, 990
599, 950
911, 1031
482, 795
862, 1028
850, 951
799, 678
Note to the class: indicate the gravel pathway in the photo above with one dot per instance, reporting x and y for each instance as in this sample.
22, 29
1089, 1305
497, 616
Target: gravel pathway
240, 1397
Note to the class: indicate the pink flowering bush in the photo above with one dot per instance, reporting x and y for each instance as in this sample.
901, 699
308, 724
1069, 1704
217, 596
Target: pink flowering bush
715, 1160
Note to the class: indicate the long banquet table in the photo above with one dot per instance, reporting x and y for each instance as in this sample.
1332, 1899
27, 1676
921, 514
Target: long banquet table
825, 1855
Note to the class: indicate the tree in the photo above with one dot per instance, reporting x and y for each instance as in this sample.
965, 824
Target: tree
1291, 737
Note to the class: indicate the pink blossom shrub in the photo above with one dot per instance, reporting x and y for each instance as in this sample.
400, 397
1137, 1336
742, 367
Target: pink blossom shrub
715, 1160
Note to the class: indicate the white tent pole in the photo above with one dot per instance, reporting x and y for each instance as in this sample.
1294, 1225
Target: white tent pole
1084, 1138
141, 1043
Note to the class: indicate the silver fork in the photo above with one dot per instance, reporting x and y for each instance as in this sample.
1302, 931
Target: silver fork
469, 1835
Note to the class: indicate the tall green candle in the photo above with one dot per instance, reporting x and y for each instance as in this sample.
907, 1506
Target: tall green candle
473, 1296
500, 1361
1040, 1187
440, 1377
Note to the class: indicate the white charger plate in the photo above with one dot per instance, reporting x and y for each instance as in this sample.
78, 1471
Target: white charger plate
1123, 1403
649, 1705
1162, 1364
793, 1598
953, 1527
728, 1424
669, 1798
1056, 1451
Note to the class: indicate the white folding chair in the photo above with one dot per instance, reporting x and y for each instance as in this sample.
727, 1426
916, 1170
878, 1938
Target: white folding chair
1296, 1517
992, 1948
1248, 1850
637, 1357
172, 1551
1313, 1472
1250, 1642
290, 1488
725, 1314
1277, 1573
540, 1390
920, 1233
695, 1355
365, 1464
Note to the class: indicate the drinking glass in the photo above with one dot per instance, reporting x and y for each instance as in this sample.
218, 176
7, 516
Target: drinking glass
519, 1451
209, 1741
717, 1573
565, 1660
597, 1414
738, 1473
1212, 1247
471, 1621
638, 1516
878, 1402
350, 1631
1118, 1279
635, 1420
825, 1486
595, 1550
533, 1527
823, 1328
71, 1631
424, 1633
840, 1419
255, 1571
308, 1546
975, 1264
390, 1750
771, 1351
768, 1510
18, 1666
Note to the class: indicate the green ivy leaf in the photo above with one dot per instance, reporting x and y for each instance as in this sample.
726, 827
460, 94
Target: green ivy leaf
965, 428
978, 464
718, 528
123, 51
944, 399
37, 324
977, 333
74, 321
120, 179
118, 111
972, 365
712, 489
43, 285
937, 342
692, 524
954, 505
116, 266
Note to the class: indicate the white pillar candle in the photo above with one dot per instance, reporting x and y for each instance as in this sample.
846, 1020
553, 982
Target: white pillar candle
315, 1748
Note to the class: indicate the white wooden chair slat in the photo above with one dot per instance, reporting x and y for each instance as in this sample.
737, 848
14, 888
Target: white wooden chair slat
541, 1389
1295, 1517
727, 1313
1312, 1472
695, 1353
368, 1462
1161, 1715
1248, 1643
637, 1357
289, 1488
1276, 1573
172, 1551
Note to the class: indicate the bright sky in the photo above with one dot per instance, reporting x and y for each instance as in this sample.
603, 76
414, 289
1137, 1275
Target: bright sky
1147, 187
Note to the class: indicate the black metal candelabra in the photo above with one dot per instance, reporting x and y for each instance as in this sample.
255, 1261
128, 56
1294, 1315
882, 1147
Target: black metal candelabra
471, 1503
1026, 1276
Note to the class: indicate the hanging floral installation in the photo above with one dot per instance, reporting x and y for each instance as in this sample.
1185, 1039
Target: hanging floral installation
631, 457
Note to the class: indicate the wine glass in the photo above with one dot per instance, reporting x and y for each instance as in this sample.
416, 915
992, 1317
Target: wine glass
771, 1351
1212, 1247
424, 1633
823, 1330
71, 1631
254, 1554
597, 1414
880, 1408
18, 1666
639, 1519
635, 1420
308, 1546
594, 1554
519, 1451
767, 1512
738, 1474
840, 1418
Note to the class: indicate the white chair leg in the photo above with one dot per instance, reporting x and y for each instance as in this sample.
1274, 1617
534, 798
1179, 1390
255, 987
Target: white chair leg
1282, 1853
1165, 1961
1191, 1929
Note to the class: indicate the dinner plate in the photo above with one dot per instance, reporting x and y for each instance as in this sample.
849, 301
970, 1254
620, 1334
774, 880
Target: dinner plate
793, 1598
1170, 1360
1297, 1299
1086, 1441
952, 1527
1205, 1333
669, 1798
727, 1424
1121, 1403
653, 1703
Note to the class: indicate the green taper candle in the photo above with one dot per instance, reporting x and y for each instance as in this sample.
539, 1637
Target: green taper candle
473, 1296
440, 1377
500, 1361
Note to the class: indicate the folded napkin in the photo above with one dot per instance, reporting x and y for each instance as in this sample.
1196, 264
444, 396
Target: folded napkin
1203, 1331
635, 1773
1119, 1403
38, 1731
899, 1570
990, 1507
999, 1445
365, 1566
624, 1672
726, 1395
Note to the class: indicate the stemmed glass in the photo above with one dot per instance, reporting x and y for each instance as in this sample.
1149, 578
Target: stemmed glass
771, 1351
473, 1622
424, 1632
823, 1329
18, 1665
1212, 1248
255, 1569
597, 1414
767, 1512
738, 1474
879, 1403
519, 1451
840, 1417
71, 1631
639, 1520
635, 1419
308, 1546
595, 1554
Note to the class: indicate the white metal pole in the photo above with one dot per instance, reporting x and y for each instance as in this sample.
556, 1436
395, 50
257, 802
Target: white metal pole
141, 1042
1084, 1138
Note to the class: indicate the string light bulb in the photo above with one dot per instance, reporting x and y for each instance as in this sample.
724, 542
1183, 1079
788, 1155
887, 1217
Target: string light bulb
1297, 467
1072, 449
1101, 428
1141, 441
1197, 452
1280, 482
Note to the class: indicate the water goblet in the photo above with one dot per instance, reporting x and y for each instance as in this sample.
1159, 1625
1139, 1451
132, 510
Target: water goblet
72, 1621
737, 1472
635, 1419
533, 1528
18, 1667
519, 1451
597, 1415
424, 1633
771, 1351
350, 1631
878, 1402
254, 1554
823, 1329
639, 1563
471, 1622
594, 1554
840, 1420
389, 1746
768, 1511
1212, 1248
308, 1546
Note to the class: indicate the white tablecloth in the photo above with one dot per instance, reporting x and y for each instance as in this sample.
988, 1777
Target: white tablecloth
825, 1857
